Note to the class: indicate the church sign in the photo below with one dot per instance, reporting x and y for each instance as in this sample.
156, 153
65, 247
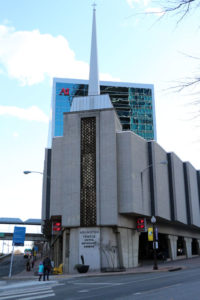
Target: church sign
89, 241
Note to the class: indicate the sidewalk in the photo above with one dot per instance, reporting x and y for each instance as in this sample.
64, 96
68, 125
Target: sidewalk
170, 266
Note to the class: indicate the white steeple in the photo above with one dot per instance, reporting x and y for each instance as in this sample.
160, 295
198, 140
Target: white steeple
94, 100
93, 88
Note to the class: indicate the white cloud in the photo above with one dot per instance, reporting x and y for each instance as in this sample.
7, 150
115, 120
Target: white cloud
142, 2
155, 10
32, 113
108, 77
15, 134
29, 56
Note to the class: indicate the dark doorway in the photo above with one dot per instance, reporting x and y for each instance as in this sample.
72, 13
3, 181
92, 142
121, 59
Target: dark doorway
195, 247
163, 251
146, 247
180, 246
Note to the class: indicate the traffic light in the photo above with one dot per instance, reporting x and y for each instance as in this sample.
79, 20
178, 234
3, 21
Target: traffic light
141, 225
56, 226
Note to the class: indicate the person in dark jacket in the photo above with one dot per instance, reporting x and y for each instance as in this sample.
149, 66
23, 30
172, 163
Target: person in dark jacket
47, 268
28, 264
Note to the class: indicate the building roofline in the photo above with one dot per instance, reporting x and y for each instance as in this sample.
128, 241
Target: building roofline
109, 83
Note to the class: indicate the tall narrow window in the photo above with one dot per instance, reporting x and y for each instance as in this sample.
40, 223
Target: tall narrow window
88, 172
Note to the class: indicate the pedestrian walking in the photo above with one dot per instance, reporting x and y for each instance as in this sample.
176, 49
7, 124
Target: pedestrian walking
40, 270
47, 268
32, 262
34, 255
28, 264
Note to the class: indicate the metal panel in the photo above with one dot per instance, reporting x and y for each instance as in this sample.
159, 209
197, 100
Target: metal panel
90, 103
88, 172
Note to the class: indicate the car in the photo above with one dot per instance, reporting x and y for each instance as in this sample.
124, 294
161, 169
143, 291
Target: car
27, 253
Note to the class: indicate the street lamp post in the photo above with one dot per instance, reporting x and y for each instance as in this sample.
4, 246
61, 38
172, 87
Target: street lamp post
164, 162
47, 209
28, 172
153, 219
155, 265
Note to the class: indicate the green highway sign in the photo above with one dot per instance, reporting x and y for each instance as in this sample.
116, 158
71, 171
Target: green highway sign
2, 234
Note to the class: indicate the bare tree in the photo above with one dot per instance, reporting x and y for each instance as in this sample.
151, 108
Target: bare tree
179, 7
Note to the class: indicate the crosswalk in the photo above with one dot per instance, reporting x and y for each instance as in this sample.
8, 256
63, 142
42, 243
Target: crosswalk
29, 292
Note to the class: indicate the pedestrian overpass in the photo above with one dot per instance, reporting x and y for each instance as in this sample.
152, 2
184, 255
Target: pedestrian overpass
33, 237
17, 221
30, 236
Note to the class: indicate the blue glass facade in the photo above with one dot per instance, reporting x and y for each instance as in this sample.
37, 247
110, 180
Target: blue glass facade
63, 102
134, 105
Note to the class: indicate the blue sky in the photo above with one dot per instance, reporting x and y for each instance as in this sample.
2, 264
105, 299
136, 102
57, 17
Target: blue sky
40, 40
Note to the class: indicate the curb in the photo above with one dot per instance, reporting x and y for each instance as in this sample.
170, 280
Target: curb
70, 276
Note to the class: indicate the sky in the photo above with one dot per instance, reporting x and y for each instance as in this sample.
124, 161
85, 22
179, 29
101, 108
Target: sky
40, 40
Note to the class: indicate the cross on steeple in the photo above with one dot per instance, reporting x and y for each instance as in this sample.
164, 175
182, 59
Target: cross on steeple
94, 5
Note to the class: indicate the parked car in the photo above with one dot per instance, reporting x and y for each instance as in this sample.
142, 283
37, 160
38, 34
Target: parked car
27, 252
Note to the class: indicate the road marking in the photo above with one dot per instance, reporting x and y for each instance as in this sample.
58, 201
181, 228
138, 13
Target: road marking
121, 283
39, 297
31, 292
97, 283
30, 283
26, 293
158, 289
83, 291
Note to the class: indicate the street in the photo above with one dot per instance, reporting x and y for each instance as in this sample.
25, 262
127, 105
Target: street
177, 285
18, 265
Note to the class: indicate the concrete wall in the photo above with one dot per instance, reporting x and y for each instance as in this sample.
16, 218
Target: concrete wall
133, 184
193, 197
130, 247
162, 197
178, 186
44, 186
65, 178
108, 248
74, 258
107, 167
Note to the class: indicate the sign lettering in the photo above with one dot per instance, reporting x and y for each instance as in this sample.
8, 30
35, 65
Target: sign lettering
64, 91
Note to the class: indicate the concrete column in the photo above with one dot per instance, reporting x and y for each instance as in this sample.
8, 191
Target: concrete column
56, 253
65, 251
136, 236
119, 247
129, 246
188, 247
172, 246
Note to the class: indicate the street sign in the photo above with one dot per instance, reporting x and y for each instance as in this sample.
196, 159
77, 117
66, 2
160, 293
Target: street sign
150, 234
36, 248
19, 236
156, 233
155, 245
2, 234
18, 240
